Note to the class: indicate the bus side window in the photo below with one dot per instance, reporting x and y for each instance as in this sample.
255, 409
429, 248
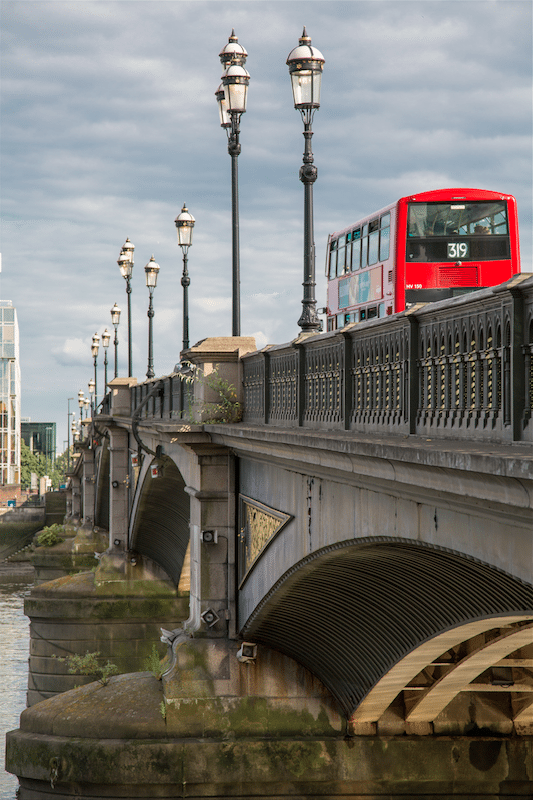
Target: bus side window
356, 255
384, 240
331, 323
332, 264
348, 267
372, 312
363, 314
332, 272
341, 255
373, 247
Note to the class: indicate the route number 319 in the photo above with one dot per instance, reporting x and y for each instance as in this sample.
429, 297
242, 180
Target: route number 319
457, 249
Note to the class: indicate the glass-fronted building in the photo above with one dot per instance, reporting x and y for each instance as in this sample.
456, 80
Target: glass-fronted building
9, 395
40, 437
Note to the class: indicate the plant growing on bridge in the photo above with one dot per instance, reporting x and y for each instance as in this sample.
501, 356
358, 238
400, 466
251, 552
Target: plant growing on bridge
225, 409
88, 665
153, 663
50, 535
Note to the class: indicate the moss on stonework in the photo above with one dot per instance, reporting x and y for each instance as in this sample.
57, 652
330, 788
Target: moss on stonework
144, 588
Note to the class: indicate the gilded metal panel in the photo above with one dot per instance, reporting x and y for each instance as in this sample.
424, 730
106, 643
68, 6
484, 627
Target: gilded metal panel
258, 525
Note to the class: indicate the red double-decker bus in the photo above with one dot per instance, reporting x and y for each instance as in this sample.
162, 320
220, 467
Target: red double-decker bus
422, 248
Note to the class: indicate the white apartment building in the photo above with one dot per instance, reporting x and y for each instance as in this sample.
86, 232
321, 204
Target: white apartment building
9, 395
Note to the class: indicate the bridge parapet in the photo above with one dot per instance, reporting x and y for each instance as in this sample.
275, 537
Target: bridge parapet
175, 397
459, 368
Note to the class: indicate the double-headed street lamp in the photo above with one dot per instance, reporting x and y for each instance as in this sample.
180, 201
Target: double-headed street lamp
115, 319
151, 270
94, 353
184, 223
125, 263
231, 97
305, 67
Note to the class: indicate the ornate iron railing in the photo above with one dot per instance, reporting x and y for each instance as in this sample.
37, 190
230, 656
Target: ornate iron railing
460, 368
171, 401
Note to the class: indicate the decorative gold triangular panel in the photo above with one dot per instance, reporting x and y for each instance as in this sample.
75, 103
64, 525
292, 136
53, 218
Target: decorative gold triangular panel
258, 525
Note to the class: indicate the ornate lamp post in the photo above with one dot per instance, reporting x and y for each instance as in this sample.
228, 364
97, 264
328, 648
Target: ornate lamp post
94, 353
231, 97
70, 413
151, 270
115, 319
305, 68
184, 223
92, 387
106, 338
125, 263
81, 402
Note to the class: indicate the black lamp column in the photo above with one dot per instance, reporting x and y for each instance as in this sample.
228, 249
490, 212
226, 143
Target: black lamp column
91, 387
125, 263
81, 402
68, 432
231, 97
184, 223
305, 68
151, 270
115, 319
106, 338
94, 353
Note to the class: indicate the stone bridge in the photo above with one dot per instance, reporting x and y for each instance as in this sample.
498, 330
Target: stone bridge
371, 517
358, 548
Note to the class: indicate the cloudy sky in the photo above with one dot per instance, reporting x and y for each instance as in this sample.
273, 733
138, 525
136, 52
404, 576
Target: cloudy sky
110, 124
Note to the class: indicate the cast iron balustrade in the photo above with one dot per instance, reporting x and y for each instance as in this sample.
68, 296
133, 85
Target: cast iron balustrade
456, 369
171, 402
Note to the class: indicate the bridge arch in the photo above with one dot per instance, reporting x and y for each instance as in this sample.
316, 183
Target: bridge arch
160, 527
101, 511
353, 611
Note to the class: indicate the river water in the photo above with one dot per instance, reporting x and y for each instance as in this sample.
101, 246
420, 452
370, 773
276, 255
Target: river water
14, 652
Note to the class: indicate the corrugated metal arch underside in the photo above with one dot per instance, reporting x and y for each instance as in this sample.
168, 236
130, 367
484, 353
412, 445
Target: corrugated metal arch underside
161, 529
102, 508
351, 611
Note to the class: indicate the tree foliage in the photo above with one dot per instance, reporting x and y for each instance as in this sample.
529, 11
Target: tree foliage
40, 465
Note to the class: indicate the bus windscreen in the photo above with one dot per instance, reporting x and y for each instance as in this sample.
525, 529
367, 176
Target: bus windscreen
457, 231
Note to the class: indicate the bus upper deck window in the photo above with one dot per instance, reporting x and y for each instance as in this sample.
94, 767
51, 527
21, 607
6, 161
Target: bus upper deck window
333, 258
384, 244
373, 247
341, 258
356, 249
